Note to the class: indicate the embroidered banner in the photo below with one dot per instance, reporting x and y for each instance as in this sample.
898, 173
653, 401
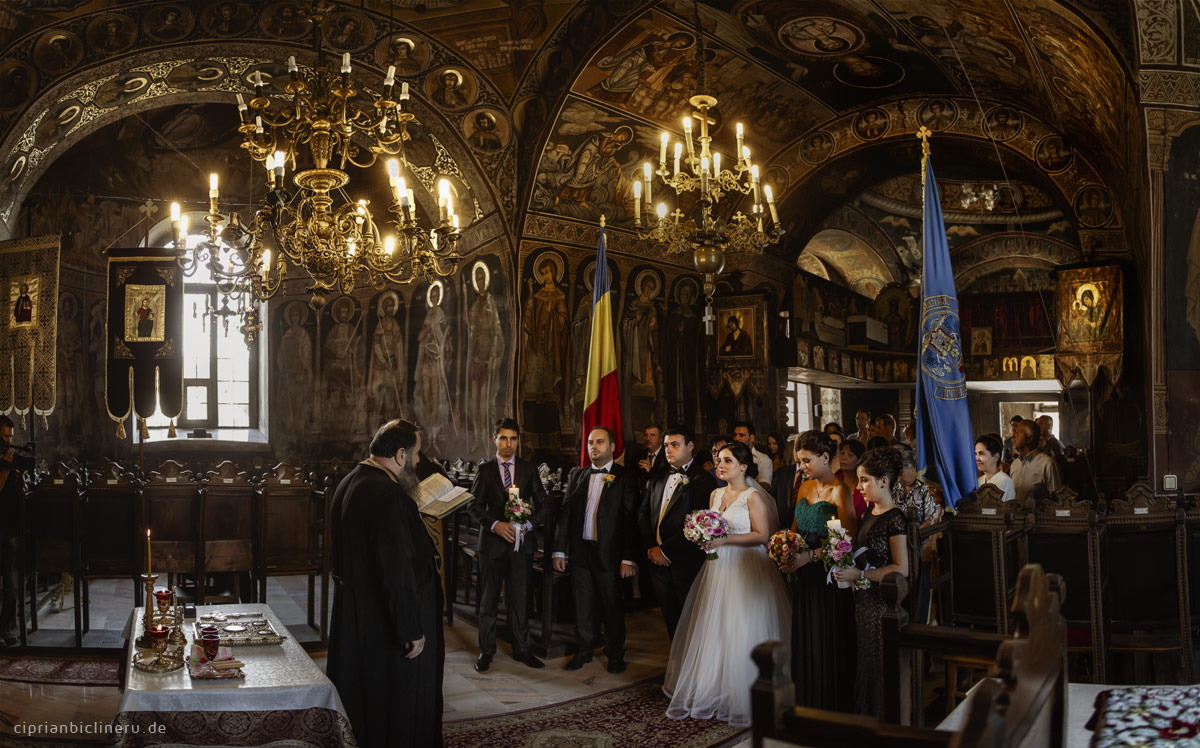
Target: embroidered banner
29, 285
1091, 329
144, 369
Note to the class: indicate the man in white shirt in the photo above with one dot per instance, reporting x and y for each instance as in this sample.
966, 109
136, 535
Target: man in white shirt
1033, 471
744, 433
862, 419
597, 536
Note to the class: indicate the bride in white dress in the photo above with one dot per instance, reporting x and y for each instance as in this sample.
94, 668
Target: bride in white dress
736, 603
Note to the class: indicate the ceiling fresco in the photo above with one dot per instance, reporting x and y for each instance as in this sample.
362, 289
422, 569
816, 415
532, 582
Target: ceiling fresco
1034, 95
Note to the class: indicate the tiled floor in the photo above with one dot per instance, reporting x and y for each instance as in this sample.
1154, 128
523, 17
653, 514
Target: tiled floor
507, 686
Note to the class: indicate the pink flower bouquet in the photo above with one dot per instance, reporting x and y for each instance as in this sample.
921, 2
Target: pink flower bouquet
782, 547
838, 550
704, 525
517, 510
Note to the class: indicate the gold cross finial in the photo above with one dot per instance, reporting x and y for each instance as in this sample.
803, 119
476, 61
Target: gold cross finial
924, 134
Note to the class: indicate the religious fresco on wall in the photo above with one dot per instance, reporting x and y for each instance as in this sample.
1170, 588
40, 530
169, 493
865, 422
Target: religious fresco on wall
1091, 314
543, 358
484, 287
853, 259
649, 70
641, 368
293, 379
433, 348
342, 375
585, 166
1181, 252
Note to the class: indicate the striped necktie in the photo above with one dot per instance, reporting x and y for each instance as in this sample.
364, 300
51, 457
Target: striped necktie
507, 475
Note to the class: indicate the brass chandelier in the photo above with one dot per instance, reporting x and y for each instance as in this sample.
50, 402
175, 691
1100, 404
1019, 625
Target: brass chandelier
705, 234
337, 241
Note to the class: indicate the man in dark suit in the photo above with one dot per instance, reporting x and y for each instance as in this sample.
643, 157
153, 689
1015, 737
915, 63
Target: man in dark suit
673, 495
786, 489
505, 548
653, 461
597, 536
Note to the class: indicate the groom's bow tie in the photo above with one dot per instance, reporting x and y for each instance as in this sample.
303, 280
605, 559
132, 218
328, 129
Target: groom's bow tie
593, 471
678, 471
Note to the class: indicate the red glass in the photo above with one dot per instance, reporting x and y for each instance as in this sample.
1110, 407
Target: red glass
159, 635
205, 630
163, 597
211, 643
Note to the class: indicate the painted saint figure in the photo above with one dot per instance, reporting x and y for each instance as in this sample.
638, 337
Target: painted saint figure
145, 323
485, 346
432, 396
386, 377
23, 309
545, 322
737, 342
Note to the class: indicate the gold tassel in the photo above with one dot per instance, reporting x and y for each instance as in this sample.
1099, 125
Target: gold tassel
143, 430
171, 430
121, 429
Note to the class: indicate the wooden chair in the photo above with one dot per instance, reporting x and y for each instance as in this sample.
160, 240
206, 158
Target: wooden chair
227, 501
171, 510
985, 548
111, 511
52, 536
1065, 539
1147, 573
290, 520
1025, 705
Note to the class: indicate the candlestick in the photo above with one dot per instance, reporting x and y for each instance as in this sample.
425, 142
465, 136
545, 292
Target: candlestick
637, 202
346, 64
148, 571
662, 151
771, 203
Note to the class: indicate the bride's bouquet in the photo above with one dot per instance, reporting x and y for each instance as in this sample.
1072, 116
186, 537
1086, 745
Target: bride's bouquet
518, 511
782, 547
838, 551
704, 525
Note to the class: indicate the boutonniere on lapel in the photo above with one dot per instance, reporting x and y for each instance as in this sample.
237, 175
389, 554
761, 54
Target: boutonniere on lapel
608, 479
683, 481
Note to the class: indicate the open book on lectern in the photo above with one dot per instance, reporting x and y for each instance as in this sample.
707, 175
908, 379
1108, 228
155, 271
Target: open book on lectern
437, 497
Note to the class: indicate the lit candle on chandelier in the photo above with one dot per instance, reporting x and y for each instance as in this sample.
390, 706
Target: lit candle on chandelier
389, 245
444, 202
183, 227
662, 151
212, 192
746, 156
390, 80
771, 203
687, 135
404, 91
266, 264
637, 202
678, 154
739, 137
704, 174
175, 222
361, 212
646, 178
270, 164
754, 182
346, 64
280, 162
717, 165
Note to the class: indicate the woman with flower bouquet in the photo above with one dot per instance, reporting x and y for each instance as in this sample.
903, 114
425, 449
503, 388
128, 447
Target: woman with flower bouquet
737, 602
881, 547
822, 614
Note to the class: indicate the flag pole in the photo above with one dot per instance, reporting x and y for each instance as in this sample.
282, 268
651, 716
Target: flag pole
924, 134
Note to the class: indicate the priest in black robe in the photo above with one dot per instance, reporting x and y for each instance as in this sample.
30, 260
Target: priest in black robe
383, 640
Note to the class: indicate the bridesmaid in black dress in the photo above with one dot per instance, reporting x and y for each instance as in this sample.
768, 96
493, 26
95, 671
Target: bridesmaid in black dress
883, 534
822, 614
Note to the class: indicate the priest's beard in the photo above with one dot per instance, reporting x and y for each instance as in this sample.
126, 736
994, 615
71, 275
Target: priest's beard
408, 478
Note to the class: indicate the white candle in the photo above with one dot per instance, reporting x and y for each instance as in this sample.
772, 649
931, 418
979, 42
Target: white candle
175, 213
390, 80
739, 137
678, 154
716, 165
404, 91
346, 63
662, 150
662, 211
280, 164
389, 244
771, 203
403, 191
637, 201
292, 67
266, 264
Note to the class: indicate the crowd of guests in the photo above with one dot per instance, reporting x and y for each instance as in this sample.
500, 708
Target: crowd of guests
619, 521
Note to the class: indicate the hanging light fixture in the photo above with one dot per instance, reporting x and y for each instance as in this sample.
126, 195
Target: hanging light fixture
324, 126
698, 168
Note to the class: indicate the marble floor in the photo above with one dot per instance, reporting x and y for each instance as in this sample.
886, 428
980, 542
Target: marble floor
507, 686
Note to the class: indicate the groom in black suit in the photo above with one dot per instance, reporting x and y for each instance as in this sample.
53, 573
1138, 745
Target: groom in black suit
500, 557
684, 488
597, 536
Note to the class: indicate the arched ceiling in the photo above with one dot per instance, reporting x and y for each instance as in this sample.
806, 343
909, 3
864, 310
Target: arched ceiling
1039, 92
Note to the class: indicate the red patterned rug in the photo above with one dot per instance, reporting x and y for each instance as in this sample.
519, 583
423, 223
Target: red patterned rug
67, 671
631, 717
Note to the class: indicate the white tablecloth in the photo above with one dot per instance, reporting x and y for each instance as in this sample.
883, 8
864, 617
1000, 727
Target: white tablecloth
1080, 700
278, 676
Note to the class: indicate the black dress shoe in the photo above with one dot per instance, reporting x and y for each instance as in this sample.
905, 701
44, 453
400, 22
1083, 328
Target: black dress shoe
616, 667
578, 661
527, 658
482, 663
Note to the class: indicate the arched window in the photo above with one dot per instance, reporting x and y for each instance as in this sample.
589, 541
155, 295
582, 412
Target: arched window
224, 385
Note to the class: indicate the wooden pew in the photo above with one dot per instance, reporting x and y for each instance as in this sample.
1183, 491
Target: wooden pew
1025, 705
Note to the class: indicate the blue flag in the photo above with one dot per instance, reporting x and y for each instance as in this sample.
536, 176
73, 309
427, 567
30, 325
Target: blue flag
944, 441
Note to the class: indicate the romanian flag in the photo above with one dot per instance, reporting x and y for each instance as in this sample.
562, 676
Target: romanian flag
601, 401
944, 442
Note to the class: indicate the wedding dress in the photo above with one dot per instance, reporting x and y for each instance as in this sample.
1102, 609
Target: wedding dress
736, 603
